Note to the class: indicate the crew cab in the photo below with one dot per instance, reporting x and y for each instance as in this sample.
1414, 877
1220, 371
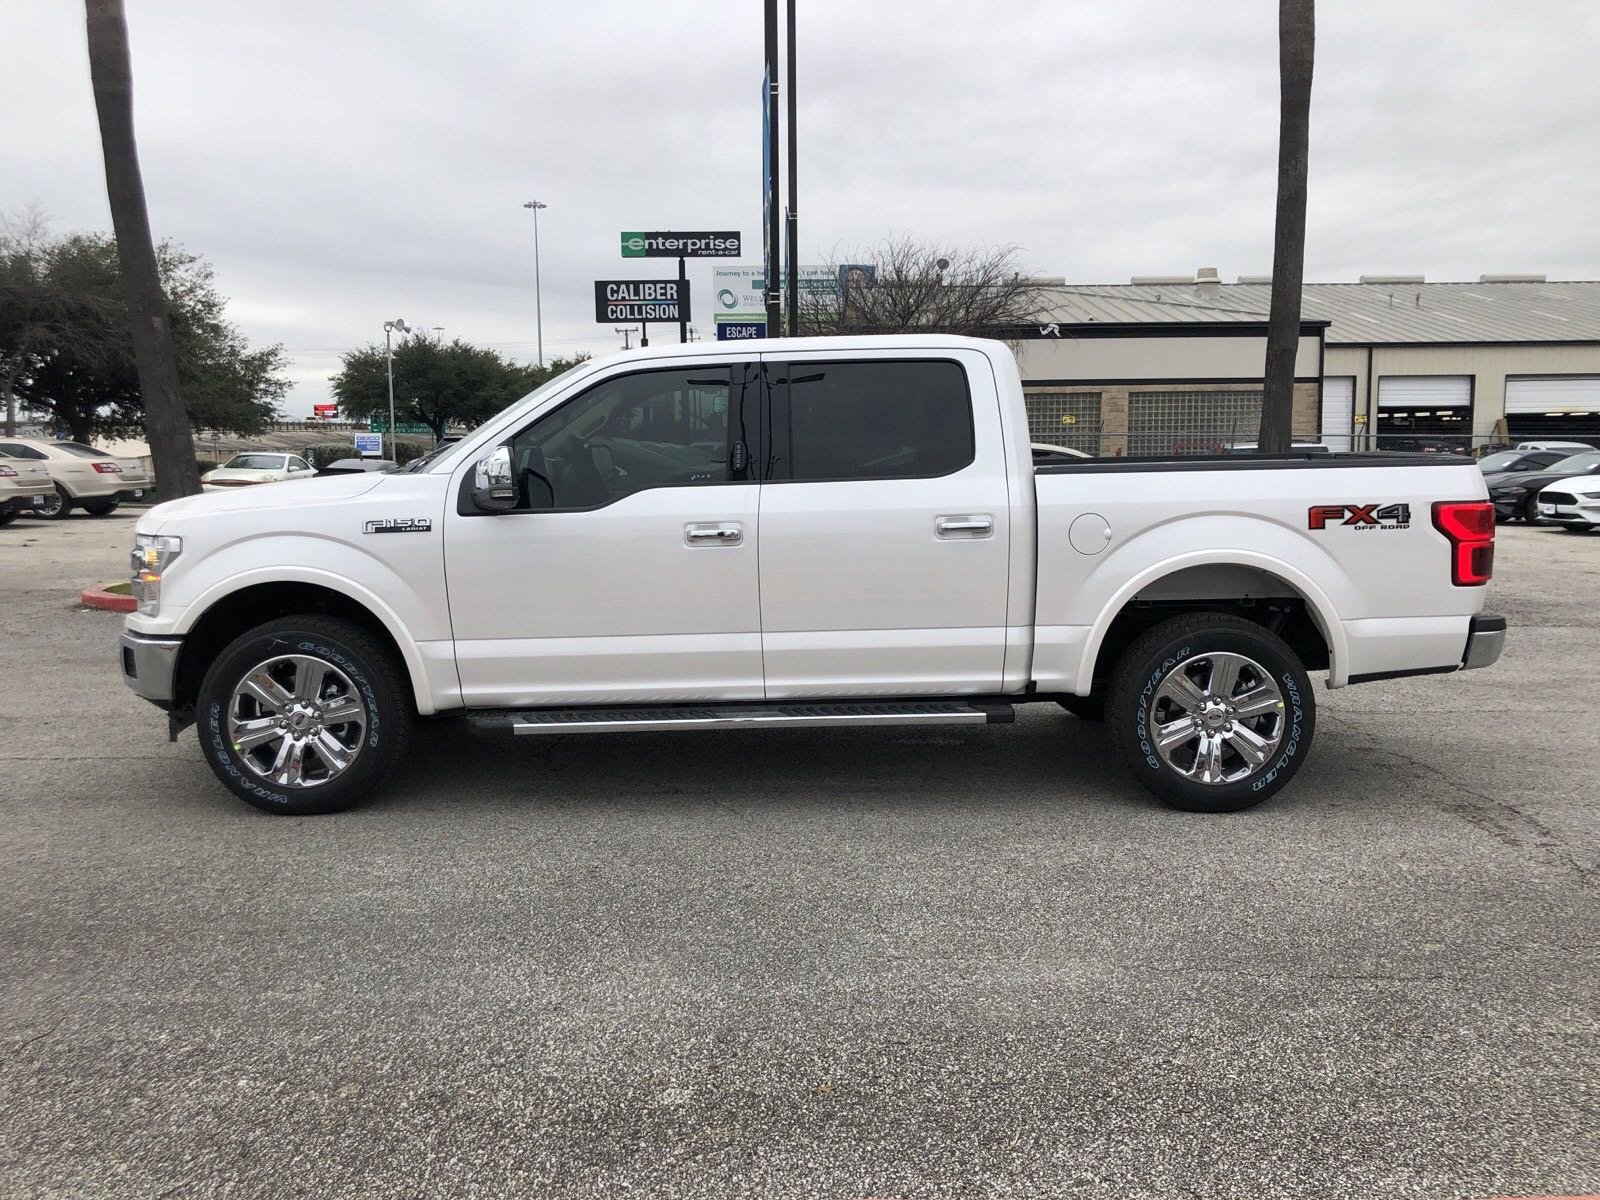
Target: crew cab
806, 532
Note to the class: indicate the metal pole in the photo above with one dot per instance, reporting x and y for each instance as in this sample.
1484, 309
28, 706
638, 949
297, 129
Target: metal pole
774, 228
794, 202
538, 295
388, 354
683, 309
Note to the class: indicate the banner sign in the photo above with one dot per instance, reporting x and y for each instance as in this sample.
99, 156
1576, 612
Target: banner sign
325, 410
699, 244
737, 293
641, 300
739, 331
369, 445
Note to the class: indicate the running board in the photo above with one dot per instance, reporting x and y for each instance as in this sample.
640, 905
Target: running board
742, 716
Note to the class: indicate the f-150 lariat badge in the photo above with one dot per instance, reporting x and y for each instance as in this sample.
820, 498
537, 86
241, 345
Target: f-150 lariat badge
400, 525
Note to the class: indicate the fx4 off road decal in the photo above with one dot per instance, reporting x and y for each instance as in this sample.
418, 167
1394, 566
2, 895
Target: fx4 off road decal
400, 525
1360, 516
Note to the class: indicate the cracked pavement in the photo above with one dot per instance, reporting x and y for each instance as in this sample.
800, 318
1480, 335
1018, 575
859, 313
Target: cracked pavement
809, 963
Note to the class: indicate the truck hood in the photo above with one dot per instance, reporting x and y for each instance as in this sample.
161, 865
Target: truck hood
290, 495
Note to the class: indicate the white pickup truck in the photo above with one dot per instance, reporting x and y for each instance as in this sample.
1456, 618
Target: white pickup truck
809, 532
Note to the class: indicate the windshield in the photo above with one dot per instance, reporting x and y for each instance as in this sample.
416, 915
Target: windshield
1500, 460
439, 451
254, 462
81, 450
1578, 462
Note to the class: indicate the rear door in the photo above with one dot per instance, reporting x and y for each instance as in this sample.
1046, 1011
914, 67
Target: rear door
885, 531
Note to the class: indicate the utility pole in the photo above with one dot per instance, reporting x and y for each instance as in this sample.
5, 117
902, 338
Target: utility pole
627, 333
772, 228
794, 203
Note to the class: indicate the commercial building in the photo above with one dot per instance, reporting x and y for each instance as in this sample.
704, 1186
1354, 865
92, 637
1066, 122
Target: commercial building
1400, 363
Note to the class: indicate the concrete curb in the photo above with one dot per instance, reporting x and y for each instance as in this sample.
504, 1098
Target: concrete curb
100, 597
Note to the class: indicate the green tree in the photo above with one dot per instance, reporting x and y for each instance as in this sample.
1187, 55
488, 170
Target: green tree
436, 383
78, 363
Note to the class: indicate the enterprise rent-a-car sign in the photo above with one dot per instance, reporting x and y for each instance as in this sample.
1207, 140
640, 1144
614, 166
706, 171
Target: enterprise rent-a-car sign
693, 244
641, 300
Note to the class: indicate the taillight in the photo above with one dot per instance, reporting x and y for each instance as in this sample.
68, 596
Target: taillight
108, 468
1469, 524
5, 470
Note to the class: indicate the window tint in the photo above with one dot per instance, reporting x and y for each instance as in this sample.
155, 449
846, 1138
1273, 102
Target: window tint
19, 450
874, 420
651, 429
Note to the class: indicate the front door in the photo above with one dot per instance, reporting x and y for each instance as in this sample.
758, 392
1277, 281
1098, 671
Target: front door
885, 527
627, 572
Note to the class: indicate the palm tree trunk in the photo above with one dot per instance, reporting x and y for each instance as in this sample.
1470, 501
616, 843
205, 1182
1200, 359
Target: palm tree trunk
166, 422
1296, 47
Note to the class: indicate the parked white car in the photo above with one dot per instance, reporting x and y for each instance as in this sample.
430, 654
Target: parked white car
1573, 503
81, 476
799, 533
24, 486
253, 467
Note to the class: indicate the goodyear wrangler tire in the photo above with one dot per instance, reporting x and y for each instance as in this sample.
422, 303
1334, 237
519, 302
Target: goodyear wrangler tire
1213, 713
304, 715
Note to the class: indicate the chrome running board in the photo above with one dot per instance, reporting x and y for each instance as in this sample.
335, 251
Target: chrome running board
743, 716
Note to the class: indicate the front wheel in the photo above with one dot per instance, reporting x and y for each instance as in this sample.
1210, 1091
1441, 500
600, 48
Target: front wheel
304, 715
1212, 712
7, 516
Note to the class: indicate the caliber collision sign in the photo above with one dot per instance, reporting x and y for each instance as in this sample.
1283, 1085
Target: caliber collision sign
641, 300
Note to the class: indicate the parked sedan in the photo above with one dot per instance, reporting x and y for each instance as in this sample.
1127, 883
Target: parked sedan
24, 486
81, 476
1573, 504
1516, 495
254, 467
1502, 462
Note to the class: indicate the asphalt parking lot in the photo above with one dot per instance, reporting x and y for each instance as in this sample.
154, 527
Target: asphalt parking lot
823, 963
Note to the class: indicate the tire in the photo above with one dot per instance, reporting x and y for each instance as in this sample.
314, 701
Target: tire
1142, 695
1530, 510
8, 516
101, 508
1578, 528
359, 677
1085, 708
57, 504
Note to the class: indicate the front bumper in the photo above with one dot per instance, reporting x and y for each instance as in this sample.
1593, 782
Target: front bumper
1507, 506
150, 665
1486, 637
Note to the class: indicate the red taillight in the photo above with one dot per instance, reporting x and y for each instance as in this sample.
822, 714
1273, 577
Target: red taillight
4, 470
108, 468
1469, 524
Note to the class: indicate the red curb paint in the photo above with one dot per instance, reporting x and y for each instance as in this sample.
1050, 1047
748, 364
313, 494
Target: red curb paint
1585, 1196
98, 597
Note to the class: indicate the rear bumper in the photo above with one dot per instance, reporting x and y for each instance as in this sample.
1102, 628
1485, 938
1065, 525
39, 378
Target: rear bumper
1486, 637
149, 665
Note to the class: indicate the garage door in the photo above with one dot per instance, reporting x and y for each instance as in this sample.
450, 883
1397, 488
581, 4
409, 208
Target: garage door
1424, 391
1553, 394
1338, 410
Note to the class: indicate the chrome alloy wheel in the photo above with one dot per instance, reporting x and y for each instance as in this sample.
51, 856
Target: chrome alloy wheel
1217, 718
296, 721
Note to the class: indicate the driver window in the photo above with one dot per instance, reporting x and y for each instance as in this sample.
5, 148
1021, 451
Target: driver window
647, 430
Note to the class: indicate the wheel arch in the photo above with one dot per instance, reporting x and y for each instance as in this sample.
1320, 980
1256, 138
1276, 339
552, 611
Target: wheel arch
1242, 582
226, 612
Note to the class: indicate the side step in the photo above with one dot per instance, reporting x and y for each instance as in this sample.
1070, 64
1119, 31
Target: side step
757, 714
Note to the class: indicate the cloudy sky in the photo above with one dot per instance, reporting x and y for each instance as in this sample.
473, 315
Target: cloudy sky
344, 162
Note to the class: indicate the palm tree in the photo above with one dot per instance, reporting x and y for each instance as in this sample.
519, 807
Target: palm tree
1296, 46
166, 422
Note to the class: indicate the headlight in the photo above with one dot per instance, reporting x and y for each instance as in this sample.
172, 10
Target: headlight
152, 554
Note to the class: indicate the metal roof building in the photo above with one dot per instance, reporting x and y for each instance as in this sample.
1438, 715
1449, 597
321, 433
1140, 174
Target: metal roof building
1407, 363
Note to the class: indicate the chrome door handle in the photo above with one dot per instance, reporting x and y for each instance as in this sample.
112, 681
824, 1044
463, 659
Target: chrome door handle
971, 526
713, 535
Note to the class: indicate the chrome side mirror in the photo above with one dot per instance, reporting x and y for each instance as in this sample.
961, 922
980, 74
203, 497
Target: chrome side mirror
493, 488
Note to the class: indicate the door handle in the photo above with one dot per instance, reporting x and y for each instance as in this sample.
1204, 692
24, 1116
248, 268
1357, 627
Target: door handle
713, 535
964, 526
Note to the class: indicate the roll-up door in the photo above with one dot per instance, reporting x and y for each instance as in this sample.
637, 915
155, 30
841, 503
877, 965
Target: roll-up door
1553, 394
1425, 391
1338, 410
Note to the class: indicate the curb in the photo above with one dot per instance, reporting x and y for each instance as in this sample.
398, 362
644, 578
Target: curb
100, 597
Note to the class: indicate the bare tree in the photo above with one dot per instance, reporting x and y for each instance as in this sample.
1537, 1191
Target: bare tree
924, 287
166, 422
1296, 50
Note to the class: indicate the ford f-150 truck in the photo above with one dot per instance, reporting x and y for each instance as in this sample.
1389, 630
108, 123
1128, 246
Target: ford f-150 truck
807, 532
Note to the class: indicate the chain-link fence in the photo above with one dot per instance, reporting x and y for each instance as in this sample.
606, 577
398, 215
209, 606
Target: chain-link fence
1070, 419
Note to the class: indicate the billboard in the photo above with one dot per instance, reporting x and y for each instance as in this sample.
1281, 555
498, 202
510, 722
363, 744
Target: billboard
641, 300
694, 244
737, 293
369, 445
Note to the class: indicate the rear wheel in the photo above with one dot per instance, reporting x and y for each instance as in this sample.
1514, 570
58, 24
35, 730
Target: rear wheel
1212, 712
8, 516
57, 504
101, 508
304, 715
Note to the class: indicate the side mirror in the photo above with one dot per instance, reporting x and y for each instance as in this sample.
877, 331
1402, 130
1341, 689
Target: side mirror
493, 488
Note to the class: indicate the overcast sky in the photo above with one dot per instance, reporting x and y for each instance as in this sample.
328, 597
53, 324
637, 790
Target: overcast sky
343, 162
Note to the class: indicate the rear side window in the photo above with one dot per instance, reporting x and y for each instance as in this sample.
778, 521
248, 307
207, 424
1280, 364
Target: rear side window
871, 420
18, 450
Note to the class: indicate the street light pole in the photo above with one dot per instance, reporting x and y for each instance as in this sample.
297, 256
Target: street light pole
538, 303
388, 354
